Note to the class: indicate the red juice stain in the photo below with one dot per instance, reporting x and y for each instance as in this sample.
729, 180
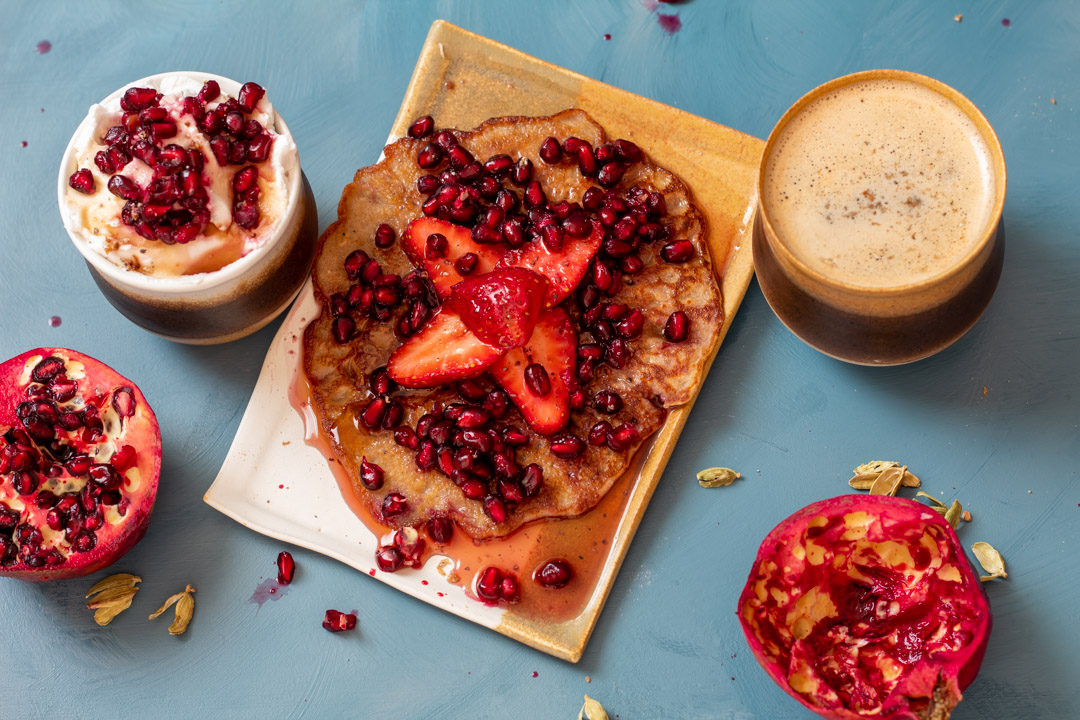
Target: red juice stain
268, 589
607, 36
671, 23
55, 320
536, 674
1006, 22
23, 143
43, 47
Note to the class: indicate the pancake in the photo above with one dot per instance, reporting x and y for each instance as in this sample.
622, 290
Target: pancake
654, 375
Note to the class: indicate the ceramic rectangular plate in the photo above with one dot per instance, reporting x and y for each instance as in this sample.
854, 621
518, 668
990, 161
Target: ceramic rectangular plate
275, 484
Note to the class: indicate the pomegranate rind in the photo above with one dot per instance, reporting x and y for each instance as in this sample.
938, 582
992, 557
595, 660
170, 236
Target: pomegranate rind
866, 606
140, 431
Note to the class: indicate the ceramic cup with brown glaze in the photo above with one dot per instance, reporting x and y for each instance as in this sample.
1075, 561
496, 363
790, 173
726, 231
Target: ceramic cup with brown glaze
228, 281
879, 238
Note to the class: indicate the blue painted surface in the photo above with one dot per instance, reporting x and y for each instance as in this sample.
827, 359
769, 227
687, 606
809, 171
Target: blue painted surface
794, 422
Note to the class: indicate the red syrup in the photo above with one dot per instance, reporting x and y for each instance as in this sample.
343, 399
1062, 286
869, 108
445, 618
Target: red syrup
585, 541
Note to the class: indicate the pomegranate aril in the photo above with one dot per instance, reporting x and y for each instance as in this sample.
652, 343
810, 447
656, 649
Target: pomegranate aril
406, 437
209, 91
440, 529
586, 161
553, 238
124, 458
611, 173
436, 246
372, 414
677, 327
473, 489
553, 573
509, 589
371, 475
389, 558
678, 251
510, 491
426, 184
426, 456
249, 95
466, 263
384, 236
104, 164
616, 353
422, 127
598, 433
135, 99
445, 139
488, 582
567, 446
607, 402
429, 156
336, 621
532, 479
393, 505
550, 151
628, 151
499, 165
459, 157
343, 329
25, 482
622, 437
537, 380
246, 214
82, 180
286, 567
514, 437
631, 326
522, 172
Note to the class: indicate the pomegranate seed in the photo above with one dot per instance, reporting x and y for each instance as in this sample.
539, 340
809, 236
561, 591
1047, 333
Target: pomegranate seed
286, 567
435, 246
473, 417
426, 184
607, 402
135, 99
372, 414
622, 437
406, 437
25, 482
209, 91
371, 475
538, 380
550, 151
495, 508
389, 558
509, 589
47, 369
577, 225
513, 231
384, 236
616, 352
553, 574
393, 505
567, 446
488, 581
429, 156
497, 403
510, 490
611, 173
124, 458
632, 265
422, 127
85, 541
343, 329
245, 179
678, 251
54, 519
427, 456
553, 237
163, 130
513, 437
459, 157
466, 263
572, 145
440, 529
249, 95
104, 164
246, 214
587, 161
677, 327
522, 172
499, 165
628, 151
507, 200
592, 199
598, 433
336, 621
83, 181
445, 139
631, 325
532, 479
473, 489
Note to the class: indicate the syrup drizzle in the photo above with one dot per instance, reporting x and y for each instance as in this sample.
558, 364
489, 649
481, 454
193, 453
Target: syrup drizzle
585, 541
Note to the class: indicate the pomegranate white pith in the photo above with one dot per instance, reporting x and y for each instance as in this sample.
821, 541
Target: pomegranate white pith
865, 606
80, 456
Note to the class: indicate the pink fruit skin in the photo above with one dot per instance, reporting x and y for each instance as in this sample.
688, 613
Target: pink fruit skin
111, 547
950, 675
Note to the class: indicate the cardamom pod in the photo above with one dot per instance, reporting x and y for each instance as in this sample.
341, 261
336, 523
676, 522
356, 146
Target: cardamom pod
717, 477
592, 710
991, 561
185, 610
888, 482
952, 515
111, 596
865, 474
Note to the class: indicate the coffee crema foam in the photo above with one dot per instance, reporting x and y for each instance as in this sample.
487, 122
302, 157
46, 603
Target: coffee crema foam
881, 183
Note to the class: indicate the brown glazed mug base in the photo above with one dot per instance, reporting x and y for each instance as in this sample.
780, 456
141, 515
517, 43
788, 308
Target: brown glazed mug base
868, 340
255, 302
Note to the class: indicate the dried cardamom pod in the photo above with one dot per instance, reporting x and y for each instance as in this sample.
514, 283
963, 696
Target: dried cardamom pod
592, 710
867, 473
717, 477
112, 596
931, 498
952, 515
991, 561
185, 610
888, 482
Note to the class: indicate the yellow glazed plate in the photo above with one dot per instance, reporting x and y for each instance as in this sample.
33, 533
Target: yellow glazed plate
275, 484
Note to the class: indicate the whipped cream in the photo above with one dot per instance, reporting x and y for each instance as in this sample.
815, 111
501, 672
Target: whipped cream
95, 219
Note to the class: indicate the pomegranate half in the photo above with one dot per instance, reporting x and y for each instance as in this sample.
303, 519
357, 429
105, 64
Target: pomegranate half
80, 455
866, 606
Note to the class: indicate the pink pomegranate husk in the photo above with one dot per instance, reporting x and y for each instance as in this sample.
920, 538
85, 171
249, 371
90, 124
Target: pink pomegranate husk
111, 546
929, 689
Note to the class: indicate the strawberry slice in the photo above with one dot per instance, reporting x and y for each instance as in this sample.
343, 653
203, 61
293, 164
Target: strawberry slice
553, 345
443, 351
440, 267
501, 307
563, 269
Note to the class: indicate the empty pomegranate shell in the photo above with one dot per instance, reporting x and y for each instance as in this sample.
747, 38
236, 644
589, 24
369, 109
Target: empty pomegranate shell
102, 508
866, 606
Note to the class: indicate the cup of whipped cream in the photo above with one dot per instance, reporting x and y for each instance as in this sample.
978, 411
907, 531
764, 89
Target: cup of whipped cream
184, 194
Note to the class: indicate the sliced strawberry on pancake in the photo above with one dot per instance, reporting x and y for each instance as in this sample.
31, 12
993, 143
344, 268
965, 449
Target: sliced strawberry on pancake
440, 264
563, 269
443, 351
553, 346
501, 307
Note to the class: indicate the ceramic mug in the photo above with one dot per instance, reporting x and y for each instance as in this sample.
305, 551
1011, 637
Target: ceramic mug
878, 238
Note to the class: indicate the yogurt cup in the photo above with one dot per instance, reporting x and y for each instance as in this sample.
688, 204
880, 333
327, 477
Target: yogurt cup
227, 282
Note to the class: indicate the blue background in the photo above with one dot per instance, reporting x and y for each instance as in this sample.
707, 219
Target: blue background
792, 421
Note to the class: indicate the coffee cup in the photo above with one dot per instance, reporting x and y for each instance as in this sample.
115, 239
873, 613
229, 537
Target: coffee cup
878, 238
